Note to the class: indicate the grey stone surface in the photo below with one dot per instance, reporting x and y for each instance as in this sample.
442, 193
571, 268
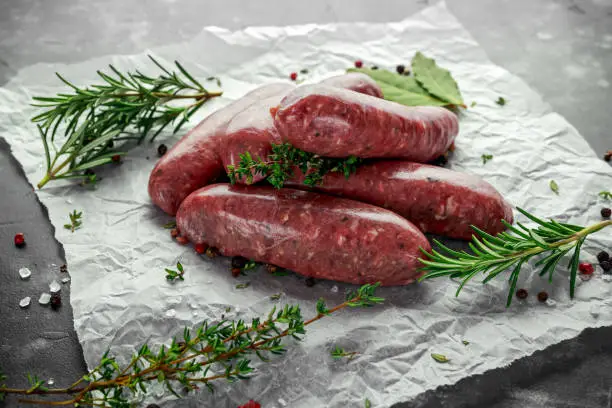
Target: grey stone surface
562, 48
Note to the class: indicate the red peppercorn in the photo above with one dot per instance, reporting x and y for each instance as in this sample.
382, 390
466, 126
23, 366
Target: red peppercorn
116, 158
452, 147
608, 156
174, 232
542, 296
521, 293
236, 272
251, 404
293, 76
586, 268
271, 268
358, 64
200, 248
19, 240
56, 300
606, 212
182, 240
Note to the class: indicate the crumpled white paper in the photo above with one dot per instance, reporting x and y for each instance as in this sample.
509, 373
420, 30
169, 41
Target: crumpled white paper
121, 298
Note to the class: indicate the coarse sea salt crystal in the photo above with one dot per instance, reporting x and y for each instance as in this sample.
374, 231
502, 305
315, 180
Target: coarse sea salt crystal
44, 299
595, 310
54, 287
65, 280
334, 289
25, 302
550, 302
24, 273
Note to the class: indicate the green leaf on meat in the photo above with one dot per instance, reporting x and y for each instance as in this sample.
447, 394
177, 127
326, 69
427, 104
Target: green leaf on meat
400, 88
436, 80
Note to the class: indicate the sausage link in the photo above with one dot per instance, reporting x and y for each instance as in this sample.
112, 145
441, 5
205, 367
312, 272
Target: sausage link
336, 122
312, 234
437, 200
194, 162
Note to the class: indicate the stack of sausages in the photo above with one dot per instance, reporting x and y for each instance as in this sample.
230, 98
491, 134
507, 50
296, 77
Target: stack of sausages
362, 229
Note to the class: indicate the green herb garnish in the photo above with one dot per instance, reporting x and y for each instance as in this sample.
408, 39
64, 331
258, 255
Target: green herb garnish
493, 255
486, 158
173, 275
75, 220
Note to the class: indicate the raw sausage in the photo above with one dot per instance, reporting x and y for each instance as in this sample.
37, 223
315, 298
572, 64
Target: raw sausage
437, 200
253, 129
336, 122
194, 162
312, 234
355, 81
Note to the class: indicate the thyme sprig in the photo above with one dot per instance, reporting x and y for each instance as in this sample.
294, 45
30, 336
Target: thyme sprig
125, 106
75, 220
493, 255
338, 353
172, 275
213, 351
278, 166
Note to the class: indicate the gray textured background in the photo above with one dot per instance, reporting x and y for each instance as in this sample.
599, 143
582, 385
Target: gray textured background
562, 48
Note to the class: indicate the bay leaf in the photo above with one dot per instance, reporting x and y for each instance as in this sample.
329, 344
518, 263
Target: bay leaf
400, 88
436, 80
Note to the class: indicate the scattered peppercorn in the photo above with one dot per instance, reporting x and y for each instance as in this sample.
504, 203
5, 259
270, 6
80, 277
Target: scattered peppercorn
116, 158
182, 240
200, 248
440, 161
606, 212
251, 404
56, 300
586, 268
606, 266
271, 268
542, 296
608, 156
89, 172
211, 252
400, 69
110, 144
451, 148
162, 149
239, 262
374, 67
236, 272
19, 240
152, 406
293, 76
64, 268
358, 64
521, 293
603, 256
174, 232
310, 282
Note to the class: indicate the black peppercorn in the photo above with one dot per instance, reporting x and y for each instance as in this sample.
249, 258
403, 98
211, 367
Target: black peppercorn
162, 149
608, 156
56, 300
310, 282
542, 296
236, 272
521, 294
400, 69
606, 266
606, 212
89, 172
152, 406
374, 67
64, 268
239, 262
440, 161
603, 256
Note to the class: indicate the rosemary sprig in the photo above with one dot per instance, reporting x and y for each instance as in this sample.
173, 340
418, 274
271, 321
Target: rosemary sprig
494, 255
96, 117
75, 220
279, 165
211, 352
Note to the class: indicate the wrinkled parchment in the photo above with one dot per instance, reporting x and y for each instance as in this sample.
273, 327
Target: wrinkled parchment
121, 299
